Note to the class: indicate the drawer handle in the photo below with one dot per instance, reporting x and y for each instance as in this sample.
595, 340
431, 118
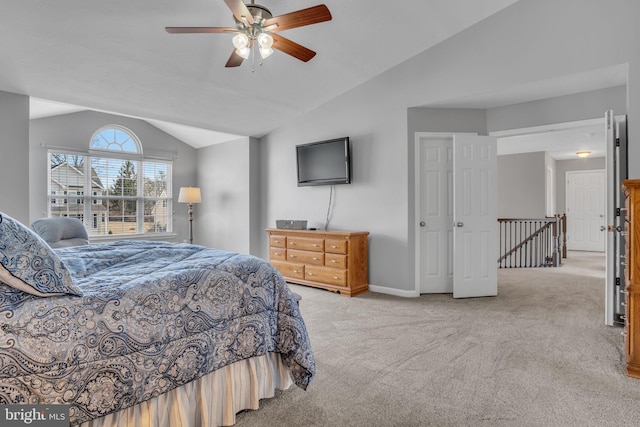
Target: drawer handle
315, 258
315, 245
334, 247
292, 243
624, 292
277, 241
334, 261
335, 278
292, 256
310, 274
296, 271
278, 253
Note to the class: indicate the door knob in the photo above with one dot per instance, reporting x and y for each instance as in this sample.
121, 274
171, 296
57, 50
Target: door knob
602, 228
458, 224
422, 223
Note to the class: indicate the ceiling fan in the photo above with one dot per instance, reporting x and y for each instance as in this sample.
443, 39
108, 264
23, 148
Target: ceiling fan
255, 24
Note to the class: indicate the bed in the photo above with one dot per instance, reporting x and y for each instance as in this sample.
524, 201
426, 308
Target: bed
144, 333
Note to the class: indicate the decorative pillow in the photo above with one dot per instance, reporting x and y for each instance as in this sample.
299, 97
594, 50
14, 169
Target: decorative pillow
29, 264
61, 232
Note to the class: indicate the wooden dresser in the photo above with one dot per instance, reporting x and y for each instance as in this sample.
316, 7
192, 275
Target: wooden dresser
632, 277
332, 260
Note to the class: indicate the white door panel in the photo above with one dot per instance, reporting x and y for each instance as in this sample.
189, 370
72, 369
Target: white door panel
586, 209
436, 215
475, 216
616, 172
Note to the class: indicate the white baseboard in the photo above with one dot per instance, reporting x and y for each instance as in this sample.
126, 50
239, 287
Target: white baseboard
393, 291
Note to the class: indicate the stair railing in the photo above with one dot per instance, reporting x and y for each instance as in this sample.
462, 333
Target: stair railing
530, 242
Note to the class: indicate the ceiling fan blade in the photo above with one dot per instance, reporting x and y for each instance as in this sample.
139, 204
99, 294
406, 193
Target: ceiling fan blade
192, 30
292, 48
300, 18
240, 10
235, 60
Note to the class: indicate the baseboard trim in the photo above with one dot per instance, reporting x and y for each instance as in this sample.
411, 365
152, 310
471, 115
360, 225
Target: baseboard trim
393, 291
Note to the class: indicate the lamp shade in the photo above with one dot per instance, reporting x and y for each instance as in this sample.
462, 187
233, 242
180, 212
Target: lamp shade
189, 195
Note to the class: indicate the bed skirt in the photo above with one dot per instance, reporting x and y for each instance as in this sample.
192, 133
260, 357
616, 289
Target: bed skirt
213, 400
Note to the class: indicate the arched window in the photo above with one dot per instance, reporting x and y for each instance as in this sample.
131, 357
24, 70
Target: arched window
119, 191
116, 138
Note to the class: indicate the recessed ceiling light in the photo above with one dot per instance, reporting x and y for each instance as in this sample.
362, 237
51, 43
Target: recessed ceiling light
583, 154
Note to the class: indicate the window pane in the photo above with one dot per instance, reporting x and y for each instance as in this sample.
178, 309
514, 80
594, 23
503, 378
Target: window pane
66, 177
115, 139
113, 191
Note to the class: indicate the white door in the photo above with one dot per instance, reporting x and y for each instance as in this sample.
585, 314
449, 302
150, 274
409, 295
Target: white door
586, 210
436, 215
475, 219
616, 141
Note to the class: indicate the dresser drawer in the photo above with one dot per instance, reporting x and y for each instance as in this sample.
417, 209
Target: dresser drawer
333, 276
305, 244
335, 260
289, 269
305, 257
336, 246
277, 254
278, 241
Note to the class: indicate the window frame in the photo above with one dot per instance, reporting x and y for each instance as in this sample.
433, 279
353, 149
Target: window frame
90, 197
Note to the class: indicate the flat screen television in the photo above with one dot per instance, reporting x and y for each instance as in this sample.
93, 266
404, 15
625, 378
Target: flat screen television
324, 162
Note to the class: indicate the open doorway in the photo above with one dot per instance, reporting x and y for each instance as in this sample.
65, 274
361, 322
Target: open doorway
605, 142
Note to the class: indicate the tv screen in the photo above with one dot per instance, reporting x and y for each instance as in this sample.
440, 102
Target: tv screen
324, 162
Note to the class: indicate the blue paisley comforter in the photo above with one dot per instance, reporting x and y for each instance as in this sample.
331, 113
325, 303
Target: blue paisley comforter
153, 316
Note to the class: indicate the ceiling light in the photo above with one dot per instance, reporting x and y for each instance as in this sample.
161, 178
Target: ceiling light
265, 40
240, 41
244, 52
583, 154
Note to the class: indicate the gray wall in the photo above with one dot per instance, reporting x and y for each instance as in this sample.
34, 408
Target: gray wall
529, 41
224, 219
74, 131
14, 158
521, 185
561, 109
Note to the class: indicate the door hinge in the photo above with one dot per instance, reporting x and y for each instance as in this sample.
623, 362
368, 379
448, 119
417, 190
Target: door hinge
618, 213
618, 281
617, 142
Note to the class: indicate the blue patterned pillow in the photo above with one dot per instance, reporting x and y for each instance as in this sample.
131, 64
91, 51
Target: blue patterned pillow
29, 264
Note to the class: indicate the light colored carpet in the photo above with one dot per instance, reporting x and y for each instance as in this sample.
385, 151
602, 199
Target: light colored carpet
538, 354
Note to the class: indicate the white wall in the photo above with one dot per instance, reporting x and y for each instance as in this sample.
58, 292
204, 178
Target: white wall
14, 156
521, 185
531, 40
74, 131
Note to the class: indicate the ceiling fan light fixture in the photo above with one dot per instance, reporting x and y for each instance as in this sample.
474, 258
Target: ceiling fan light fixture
244, 52
265, 52
583, 154
265, 40
240, 41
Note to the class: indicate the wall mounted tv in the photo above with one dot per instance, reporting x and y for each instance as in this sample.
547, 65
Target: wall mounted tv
324, 162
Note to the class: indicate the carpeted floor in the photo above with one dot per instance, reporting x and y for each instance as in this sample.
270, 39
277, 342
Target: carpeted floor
538, 354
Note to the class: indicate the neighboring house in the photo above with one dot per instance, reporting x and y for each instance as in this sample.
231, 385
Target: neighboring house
160, 211
68, 198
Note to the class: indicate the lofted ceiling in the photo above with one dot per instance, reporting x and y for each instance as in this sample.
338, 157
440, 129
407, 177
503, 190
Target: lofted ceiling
115, 56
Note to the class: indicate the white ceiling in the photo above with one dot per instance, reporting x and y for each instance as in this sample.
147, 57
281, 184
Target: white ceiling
115, 56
